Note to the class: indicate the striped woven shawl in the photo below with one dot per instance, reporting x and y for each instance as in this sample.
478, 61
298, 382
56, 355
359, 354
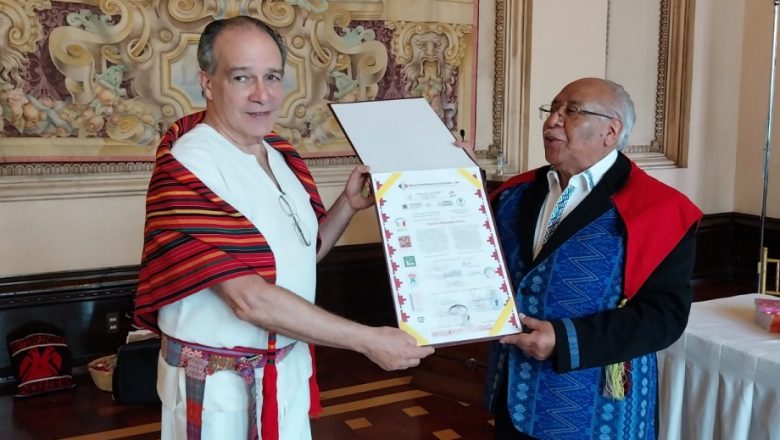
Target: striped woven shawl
194, 239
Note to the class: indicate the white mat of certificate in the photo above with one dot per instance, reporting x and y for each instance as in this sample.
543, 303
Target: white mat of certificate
446, 269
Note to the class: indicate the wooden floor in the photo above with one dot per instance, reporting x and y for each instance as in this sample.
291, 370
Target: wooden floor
360, 401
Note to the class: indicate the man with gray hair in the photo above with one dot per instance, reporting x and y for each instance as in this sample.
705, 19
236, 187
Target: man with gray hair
600, 256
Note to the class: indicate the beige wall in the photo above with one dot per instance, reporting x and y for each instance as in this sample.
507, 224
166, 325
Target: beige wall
568, 42
710, 178
750, 108
76, 230
54, 235
101, 224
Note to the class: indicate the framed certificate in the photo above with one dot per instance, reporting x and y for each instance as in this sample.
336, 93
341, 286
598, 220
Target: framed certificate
445, 265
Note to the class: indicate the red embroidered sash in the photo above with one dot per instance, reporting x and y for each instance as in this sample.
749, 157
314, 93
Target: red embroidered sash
200, 361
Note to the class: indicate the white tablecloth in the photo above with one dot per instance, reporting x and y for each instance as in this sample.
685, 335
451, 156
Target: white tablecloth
721, 379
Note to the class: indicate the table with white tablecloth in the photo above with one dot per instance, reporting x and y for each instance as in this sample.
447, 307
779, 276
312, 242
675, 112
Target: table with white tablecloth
721, 379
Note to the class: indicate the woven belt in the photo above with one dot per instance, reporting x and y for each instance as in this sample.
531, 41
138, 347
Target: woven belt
200, 361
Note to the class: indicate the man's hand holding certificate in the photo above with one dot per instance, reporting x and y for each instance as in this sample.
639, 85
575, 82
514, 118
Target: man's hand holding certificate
446, 268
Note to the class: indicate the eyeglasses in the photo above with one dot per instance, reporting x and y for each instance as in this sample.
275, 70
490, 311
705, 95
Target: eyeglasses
568, 111
289, 208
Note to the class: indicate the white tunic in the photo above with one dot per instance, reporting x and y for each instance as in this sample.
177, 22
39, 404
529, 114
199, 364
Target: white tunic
205, 319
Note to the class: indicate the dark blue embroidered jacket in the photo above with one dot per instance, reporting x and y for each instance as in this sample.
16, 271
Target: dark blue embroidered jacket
576, 283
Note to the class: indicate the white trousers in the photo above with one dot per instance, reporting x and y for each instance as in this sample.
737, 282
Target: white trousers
226, 400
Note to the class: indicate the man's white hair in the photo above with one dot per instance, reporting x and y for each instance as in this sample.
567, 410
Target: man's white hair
625, 111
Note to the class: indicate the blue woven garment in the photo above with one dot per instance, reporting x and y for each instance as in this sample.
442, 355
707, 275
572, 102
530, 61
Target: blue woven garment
583, 276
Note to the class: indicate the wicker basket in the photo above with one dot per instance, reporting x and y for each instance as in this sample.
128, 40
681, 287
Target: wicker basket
102, 371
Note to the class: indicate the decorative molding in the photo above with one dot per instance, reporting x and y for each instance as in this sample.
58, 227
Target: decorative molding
511, 82
60, 187
332, 175
673, 89
71, 168
679, 79
498, 79
314, 163
43, 181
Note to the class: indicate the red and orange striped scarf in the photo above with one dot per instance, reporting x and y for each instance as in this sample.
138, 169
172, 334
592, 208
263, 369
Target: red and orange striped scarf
193, 239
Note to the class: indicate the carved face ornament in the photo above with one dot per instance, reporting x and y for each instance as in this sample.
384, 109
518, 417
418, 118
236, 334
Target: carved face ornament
428, 51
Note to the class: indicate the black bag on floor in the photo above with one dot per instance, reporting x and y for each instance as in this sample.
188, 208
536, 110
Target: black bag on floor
135, 375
